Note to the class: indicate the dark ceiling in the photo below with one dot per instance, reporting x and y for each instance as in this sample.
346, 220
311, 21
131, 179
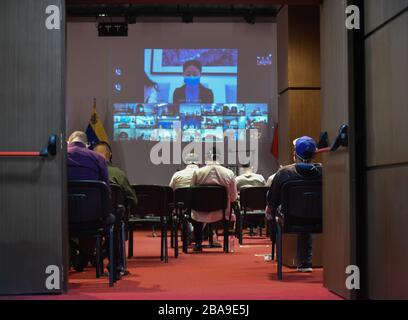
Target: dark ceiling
75, 10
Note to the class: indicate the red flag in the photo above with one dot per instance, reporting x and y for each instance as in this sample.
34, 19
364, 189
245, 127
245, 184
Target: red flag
275, 143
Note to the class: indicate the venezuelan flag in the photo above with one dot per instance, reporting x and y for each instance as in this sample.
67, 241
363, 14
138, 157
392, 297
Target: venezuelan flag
95, 131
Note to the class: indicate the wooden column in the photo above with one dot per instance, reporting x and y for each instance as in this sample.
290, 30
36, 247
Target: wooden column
299, 94
298, 76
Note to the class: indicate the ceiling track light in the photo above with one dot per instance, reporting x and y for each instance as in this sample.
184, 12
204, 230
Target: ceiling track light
113, 29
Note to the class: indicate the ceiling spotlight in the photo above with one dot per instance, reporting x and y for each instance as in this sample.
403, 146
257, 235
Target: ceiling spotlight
113, 29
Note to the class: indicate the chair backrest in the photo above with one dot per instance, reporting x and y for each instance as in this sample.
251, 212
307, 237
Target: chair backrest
88, 202
183, 195
253, 198
118, 197
301, 202
207, 198
169, 194
152, 200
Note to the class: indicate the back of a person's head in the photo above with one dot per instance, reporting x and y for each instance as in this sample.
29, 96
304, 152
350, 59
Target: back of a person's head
305, 149
245, 168
78, 136
191, 158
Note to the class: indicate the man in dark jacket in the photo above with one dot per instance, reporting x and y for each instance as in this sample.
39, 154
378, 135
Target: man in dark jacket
192, 90
116, 175
302, 169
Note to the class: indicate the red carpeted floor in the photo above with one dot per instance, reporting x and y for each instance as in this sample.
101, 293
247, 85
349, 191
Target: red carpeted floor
210, 275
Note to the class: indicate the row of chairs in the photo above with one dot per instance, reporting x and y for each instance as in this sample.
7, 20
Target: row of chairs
90, 208
301, 211
171, 210
93, 213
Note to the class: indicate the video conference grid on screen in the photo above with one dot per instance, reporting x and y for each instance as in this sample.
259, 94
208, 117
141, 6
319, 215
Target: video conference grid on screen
189, 92
195, 122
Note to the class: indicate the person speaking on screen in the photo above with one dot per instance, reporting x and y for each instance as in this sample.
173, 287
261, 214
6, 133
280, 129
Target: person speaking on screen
192, 90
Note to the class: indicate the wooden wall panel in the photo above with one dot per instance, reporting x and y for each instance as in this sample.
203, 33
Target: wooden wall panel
387, 94
32, 200
387, 152
299, 115
387, 224
336, 178
299, 47
379, 11
298, 76
305, 114
304, 47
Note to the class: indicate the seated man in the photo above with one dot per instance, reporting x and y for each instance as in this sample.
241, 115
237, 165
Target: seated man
212, 174
303, 169
248, 178
84, 164
116, 175
182, 178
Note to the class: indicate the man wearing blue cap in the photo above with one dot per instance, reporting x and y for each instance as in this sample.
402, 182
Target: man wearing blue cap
302, 169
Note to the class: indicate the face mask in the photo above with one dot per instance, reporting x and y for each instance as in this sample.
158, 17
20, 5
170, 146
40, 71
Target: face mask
192, 81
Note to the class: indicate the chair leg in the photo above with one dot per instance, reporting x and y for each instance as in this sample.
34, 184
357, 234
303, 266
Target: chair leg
166, 248
241, 229
279, 250
273, 246
162, 241
185, 235
130, 244
268, 229
273, 250
176, 238
123, 246
210, 234
226, 236
98, 257
171, 233
272, 231
111, 257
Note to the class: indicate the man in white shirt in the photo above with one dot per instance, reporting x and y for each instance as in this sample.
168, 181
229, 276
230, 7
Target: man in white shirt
248, 178
212, 174
182, 178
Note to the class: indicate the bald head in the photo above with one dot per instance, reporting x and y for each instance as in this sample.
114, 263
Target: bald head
78, 136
